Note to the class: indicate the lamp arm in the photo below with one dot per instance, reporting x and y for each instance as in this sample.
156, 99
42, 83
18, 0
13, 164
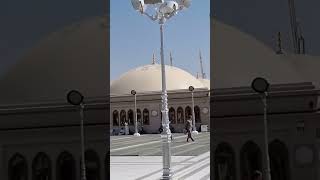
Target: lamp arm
168, 16
153, 18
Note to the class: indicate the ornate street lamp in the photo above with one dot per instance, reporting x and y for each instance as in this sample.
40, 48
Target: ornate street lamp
164, 10
194, 129
261, 86
133, 92
75, 98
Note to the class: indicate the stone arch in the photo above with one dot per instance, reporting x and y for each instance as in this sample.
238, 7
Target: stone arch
41, 167
224, 162
279, 160
250, 159
17, 167
65, 167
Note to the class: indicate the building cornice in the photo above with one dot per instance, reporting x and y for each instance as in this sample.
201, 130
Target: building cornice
53, 106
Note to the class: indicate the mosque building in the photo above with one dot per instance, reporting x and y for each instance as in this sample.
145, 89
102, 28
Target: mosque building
39, 130
146, 81
237, 128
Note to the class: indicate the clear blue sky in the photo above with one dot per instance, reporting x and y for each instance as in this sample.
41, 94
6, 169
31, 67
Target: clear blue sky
135, 37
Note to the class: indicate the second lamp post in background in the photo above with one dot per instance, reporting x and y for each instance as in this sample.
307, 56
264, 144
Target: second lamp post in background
136, 133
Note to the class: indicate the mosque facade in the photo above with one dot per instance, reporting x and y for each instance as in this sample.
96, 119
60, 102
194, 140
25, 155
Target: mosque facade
146, 81
39, 130
237, 128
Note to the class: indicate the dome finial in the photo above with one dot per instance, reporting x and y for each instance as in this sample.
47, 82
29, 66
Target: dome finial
203, 76
170, 58
153, 58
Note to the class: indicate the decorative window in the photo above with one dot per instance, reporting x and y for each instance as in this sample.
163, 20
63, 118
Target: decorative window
172, 115
18, 168
188, 112
279, 160
41, 167
146, 117
122, 117
139, 115
92, 165
197, 114
66, 167
180, 116
130, 117
115, 118
250, 159
224, 165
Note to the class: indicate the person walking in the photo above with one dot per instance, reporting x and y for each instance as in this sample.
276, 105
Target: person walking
189, 129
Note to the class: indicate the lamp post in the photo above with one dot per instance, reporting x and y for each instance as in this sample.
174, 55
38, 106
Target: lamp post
164, 10
75, 98
194, 129
261, 86
133, 92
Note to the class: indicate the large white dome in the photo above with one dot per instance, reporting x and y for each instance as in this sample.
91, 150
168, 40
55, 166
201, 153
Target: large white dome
205, 82
148, 78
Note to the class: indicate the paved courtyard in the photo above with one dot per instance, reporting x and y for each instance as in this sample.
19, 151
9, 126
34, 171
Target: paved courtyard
140, 158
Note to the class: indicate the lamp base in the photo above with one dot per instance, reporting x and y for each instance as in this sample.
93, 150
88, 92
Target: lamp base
136, 134
166, 177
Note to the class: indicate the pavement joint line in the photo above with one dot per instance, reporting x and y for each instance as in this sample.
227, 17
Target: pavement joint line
187, 150
142, 144
123, 146
185, 167
206, 154
206, 177
156, 150
179, 171
203, 161
151, 136
143, 135
158, 138
134, 139
133, 146
128, 143
138, 138
173, 147
145, 138
175, 164
158, 171
197, 170
203, 174
121, 138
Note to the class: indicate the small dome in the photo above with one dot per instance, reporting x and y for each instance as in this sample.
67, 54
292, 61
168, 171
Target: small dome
148, 78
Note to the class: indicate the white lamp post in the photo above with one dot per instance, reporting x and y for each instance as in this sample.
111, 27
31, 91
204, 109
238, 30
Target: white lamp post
261, 86
164, 10
194, 129
133, 92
